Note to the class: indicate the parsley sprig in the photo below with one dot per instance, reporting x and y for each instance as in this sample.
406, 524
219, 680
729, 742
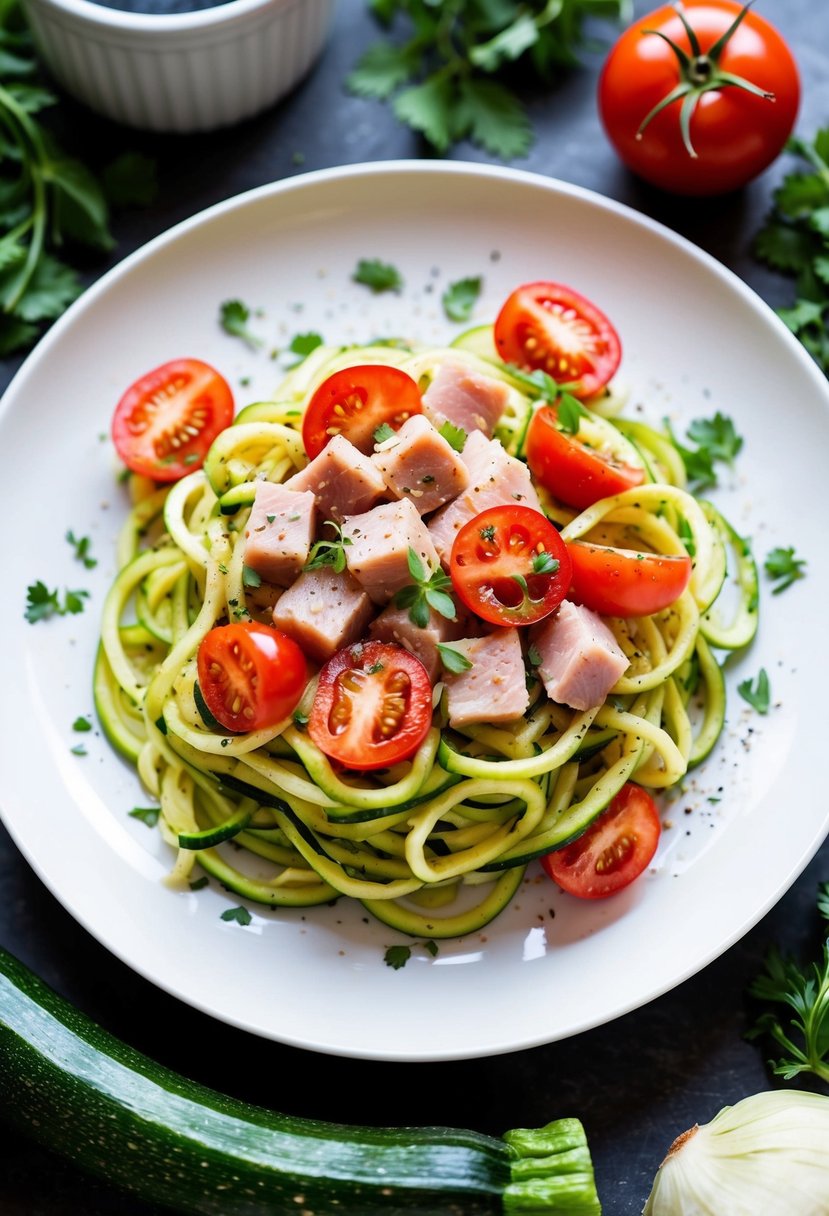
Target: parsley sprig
41, 603
784, 568
795, 241
757, 692
801, 992
716, 441
427, 590
447, 68
48, 199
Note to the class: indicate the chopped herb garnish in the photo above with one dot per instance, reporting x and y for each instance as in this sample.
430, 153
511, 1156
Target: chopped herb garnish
329, 552
383, 432
379, 276
81, 724
545, 563
240, 915
250, 577
234, 317
540, 381
460, 298
716, 440
198, 884
374, 668
82, 545
784, 568
41, 603
428, 590
569, 413
303, 344
487, 532
452, 659
397, 956
147, 814
533, 656
756, 692
78, 750
455, 436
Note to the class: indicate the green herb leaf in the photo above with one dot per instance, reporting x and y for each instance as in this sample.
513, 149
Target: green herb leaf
239, 915
460, 298
41, 603
718, 436
379, 276
329, 552
234, 317
545, 563
147, 814
427, 590
569, 413
455, 436
78, 750
81, 725
130, 180
397, 956
383, 432
452, 659
757, 692
82, 545
797, 1020
303, 344
250, 577
784, 568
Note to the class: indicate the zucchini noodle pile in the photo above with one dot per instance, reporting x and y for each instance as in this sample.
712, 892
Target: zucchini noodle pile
439, 845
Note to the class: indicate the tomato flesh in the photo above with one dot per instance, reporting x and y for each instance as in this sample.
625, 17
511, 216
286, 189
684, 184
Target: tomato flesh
549, 327
373, 706
166, 420
510, 566
250, 675
624, 582
734, 133
574, 473
617, 847
354, 402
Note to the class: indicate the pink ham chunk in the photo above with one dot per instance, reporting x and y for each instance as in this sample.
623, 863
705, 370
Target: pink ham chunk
378, 543
323, 611
580, 658
494, 689
419, 464
465, 397
343, 481
496, 479
395, 625
279, 532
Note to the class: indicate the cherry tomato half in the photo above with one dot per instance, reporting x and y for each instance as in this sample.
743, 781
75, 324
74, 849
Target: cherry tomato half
573, 472
733, 134
510, 566
250, 675
373, 706
354, 402
549, 327
624, 582
166, 421
617, 847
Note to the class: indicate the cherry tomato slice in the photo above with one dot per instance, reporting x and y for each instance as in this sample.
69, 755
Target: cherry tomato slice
549, 327
166, 421
354, 402
574, 473
624, 582
510, 566
617, 847
250, 675
373, 706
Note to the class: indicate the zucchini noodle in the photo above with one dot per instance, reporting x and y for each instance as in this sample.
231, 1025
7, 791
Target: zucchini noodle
436, 846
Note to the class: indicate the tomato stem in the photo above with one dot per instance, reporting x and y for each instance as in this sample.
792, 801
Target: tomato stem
699, 73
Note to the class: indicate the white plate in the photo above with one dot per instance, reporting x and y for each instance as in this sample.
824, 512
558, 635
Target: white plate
696, 340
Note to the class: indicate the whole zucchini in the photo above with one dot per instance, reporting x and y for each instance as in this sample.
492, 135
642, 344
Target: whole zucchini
115, 1113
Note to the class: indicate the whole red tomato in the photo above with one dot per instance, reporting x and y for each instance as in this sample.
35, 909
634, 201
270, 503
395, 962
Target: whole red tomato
699, 99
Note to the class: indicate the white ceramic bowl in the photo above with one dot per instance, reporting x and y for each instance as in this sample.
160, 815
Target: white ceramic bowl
191, 71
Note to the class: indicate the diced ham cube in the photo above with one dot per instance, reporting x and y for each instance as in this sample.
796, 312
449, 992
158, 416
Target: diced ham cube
279, 532
343, 481
580, 658
475, 452
395, 625
465, 397
419, 464
494, 689
496, 479
323, 611
377, 552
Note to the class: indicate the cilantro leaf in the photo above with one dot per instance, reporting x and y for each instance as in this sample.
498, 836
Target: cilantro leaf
239, 915
784, 568
41, 603
397, 956
379, 276
382, 69
82, 545
147, 814
455, 436
757, 692
234, 317
718, 435
303, 344
460, 298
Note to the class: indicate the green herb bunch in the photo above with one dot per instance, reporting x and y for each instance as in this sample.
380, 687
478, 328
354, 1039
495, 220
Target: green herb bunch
47, 199
795, 241
448, 68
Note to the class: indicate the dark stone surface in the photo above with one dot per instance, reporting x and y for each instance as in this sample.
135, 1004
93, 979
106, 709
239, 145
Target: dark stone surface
635, 1083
